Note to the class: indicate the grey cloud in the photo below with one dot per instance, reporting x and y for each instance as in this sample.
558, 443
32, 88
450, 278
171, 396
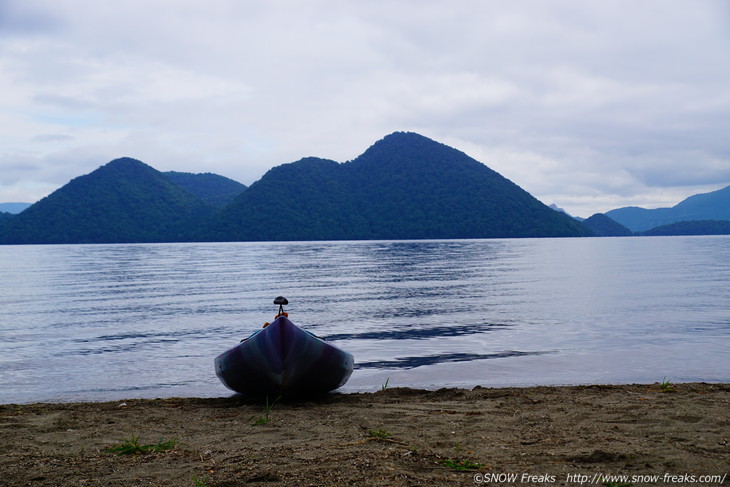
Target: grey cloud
53, 138
18, 17
580, 102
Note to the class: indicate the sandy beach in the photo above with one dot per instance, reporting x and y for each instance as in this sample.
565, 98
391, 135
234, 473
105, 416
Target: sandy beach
401, 437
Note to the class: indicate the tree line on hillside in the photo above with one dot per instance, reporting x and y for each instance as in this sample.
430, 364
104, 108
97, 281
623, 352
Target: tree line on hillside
404, 186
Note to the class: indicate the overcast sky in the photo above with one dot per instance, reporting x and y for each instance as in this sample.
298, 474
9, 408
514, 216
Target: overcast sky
591, 105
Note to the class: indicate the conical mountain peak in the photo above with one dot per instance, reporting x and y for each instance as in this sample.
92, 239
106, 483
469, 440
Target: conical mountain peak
126, 164
124, 200
403, 186
402, 143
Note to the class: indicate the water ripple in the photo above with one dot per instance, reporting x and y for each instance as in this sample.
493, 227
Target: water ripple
149, 318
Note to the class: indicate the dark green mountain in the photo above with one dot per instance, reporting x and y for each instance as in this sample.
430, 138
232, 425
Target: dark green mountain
603, 226
122, 201
5, 217
404, 186
213, 189
706, 206
695, 227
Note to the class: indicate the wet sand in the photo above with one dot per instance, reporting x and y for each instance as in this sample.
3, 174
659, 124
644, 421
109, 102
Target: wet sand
401, 437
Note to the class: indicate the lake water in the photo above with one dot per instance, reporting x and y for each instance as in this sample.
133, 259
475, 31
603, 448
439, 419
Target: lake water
108, 322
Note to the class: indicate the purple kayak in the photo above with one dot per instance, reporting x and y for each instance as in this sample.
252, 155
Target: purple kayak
283, 360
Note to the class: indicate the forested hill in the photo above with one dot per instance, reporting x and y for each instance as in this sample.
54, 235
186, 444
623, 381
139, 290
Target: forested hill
694, 227
404, 186
122, 201
213, 189
603, 226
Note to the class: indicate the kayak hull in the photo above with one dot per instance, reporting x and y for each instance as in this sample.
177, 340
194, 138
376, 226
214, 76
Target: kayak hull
284, 360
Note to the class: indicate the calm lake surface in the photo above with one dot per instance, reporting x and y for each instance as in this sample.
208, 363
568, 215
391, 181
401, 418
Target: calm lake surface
108, 322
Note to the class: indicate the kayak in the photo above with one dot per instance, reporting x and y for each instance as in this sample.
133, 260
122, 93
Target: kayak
283, 360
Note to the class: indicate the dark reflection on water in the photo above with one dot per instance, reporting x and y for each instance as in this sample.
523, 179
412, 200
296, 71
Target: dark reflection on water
433, 332
181, 335
412, 362
111, 321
